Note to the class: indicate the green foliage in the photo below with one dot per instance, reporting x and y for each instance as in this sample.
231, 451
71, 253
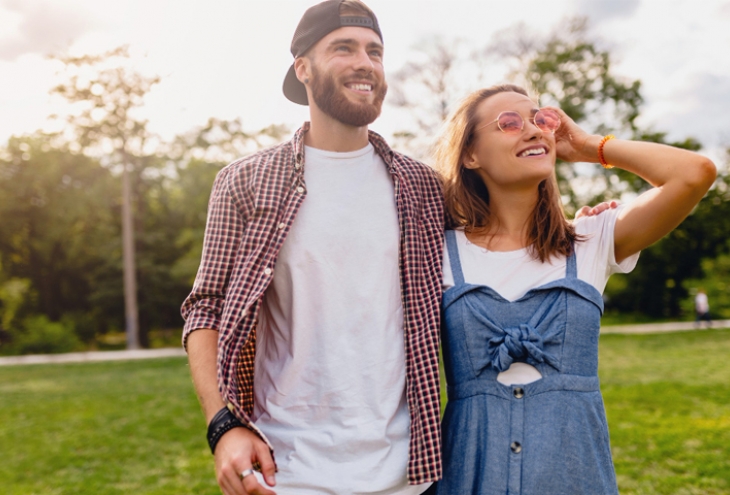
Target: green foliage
716, 284
57, 223
659, 284
569, 69
39, 335
61, 204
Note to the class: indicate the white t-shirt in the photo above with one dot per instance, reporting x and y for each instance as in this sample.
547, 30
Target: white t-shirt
513, 273
702, 305
329, 377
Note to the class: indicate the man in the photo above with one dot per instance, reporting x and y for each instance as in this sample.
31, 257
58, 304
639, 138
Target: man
312, 327
702, 308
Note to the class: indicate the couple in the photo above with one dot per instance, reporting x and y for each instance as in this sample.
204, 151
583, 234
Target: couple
313, 325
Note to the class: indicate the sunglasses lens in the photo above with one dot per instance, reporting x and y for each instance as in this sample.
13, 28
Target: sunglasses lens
547, 120
510, 122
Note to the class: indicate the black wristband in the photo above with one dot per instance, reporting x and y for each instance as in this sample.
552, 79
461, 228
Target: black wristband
223, 421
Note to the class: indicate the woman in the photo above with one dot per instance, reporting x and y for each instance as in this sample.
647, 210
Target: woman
523, 292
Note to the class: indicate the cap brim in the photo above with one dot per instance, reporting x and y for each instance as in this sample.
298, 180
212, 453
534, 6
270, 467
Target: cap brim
293, 89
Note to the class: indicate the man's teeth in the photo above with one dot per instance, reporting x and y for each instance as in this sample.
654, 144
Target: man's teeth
362, 87
533, 151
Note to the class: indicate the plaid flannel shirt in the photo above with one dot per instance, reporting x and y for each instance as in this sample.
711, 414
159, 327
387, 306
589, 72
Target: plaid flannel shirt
252, 207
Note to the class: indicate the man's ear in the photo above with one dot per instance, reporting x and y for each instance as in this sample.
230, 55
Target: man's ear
303, 69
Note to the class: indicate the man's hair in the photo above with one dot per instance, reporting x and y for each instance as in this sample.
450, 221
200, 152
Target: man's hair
466, 197
355, 8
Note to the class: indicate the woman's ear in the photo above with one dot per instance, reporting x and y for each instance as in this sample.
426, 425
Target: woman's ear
469, 160
302, 67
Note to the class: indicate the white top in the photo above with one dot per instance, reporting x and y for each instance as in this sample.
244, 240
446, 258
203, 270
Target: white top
513, 273
329, 378
702, 305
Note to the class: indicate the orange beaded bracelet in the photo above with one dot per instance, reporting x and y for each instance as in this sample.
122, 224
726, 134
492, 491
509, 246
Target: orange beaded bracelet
600, 150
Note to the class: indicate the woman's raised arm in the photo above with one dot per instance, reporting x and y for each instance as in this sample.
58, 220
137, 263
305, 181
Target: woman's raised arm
680, 179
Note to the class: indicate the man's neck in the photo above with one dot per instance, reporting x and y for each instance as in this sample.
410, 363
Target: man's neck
326, 133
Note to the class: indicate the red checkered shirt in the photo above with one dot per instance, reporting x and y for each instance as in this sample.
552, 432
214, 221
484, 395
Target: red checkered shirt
252, 207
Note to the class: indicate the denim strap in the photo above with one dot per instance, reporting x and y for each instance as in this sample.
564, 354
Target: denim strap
571, 267
454, 257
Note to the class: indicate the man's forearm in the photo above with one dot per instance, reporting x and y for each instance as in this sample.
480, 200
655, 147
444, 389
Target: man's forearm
202, 346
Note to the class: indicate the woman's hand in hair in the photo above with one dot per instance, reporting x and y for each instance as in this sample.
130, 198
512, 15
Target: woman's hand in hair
573, 144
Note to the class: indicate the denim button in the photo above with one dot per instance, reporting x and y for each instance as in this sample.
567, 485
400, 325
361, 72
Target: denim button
516, 447
518, 392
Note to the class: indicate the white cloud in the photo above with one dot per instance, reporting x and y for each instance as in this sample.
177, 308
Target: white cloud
41, 27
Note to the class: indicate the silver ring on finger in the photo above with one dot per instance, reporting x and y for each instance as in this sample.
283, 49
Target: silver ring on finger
245, 472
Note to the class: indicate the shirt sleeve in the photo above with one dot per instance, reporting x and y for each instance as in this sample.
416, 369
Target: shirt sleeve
596, 255
223, 231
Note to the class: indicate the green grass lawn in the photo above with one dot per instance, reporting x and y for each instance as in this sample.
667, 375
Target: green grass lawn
102, 428
135, 427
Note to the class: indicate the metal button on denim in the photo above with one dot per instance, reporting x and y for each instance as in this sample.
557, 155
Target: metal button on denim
516, 447
519, 392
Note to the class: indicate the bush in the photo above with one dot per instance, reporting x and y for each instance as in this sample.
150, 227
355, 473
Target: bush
39, 335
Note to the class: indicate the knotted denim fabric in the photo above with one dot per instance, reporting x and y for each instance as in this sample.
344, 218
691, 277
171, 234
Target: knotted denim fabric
491, 344
522, 343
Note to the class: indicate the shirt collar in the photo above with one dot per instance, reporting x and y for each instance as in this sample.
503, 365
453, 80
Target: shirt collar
381, 147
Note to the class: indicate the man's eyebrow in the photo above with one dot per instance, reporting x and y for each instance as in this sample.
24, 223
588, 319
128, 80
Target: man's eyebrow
343, 41
352, 41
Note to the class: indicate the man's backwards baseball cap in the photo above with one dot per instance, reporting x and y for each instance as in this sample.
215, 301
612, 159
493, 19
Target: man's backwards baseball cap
317, 22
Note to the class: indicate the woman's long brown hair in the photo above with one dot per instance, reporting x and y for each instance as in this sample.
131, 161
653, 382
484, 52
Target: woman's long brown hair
466, 196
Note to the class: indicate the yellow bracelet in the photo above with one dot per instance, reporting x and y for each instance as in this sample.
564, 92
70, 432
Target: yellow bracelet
600, 150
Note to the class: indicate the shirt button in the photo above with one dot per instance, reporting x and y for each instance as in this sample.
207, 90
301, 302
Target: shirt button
267, 271
518, 392
516, 447
281, 226
300, 189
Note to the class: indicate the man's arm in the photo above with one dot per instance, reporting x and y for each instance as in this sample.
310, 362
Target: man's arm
238, 448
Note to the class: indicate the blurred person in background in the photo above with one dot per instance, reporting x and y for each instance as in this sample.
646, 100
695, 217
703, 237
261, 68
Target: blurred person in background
702, 308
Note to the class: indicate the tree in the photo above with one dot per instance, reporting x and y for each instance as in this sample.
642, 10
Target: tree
106, 93
55, 234
566, 68
425, 89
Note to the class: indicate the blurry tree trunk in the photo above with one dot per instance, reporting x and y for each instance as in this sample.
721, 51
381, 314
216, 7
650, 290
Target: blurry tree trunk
130, 273
107, 91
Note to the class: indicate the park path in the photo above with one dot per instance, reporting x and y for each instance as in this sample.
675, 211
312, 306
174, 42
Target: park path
83, 357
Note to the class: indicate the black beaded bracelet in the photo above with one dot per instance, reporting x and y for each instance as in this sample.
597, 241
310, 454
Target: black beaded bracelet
223, 421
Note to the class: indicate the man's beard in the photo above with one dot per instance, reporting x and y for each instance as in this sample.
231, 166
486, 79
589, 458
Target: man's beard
334, 103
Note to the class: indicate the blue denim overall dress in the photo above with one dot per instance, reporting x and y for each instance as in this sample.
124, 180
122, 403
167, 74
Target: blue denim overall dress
548, 437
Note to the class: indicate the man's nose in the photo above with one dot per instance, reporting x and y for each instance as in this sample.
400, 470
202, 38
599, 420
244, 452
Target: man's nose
363, 61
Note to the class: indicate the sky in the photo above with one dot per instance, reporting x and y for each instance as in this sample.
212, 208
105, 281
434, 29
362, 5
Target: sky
227, 58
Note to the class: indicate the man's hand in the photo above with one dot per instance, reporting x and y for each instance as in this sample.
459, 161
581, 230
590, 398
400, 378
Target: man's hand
588, 211
237, 450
